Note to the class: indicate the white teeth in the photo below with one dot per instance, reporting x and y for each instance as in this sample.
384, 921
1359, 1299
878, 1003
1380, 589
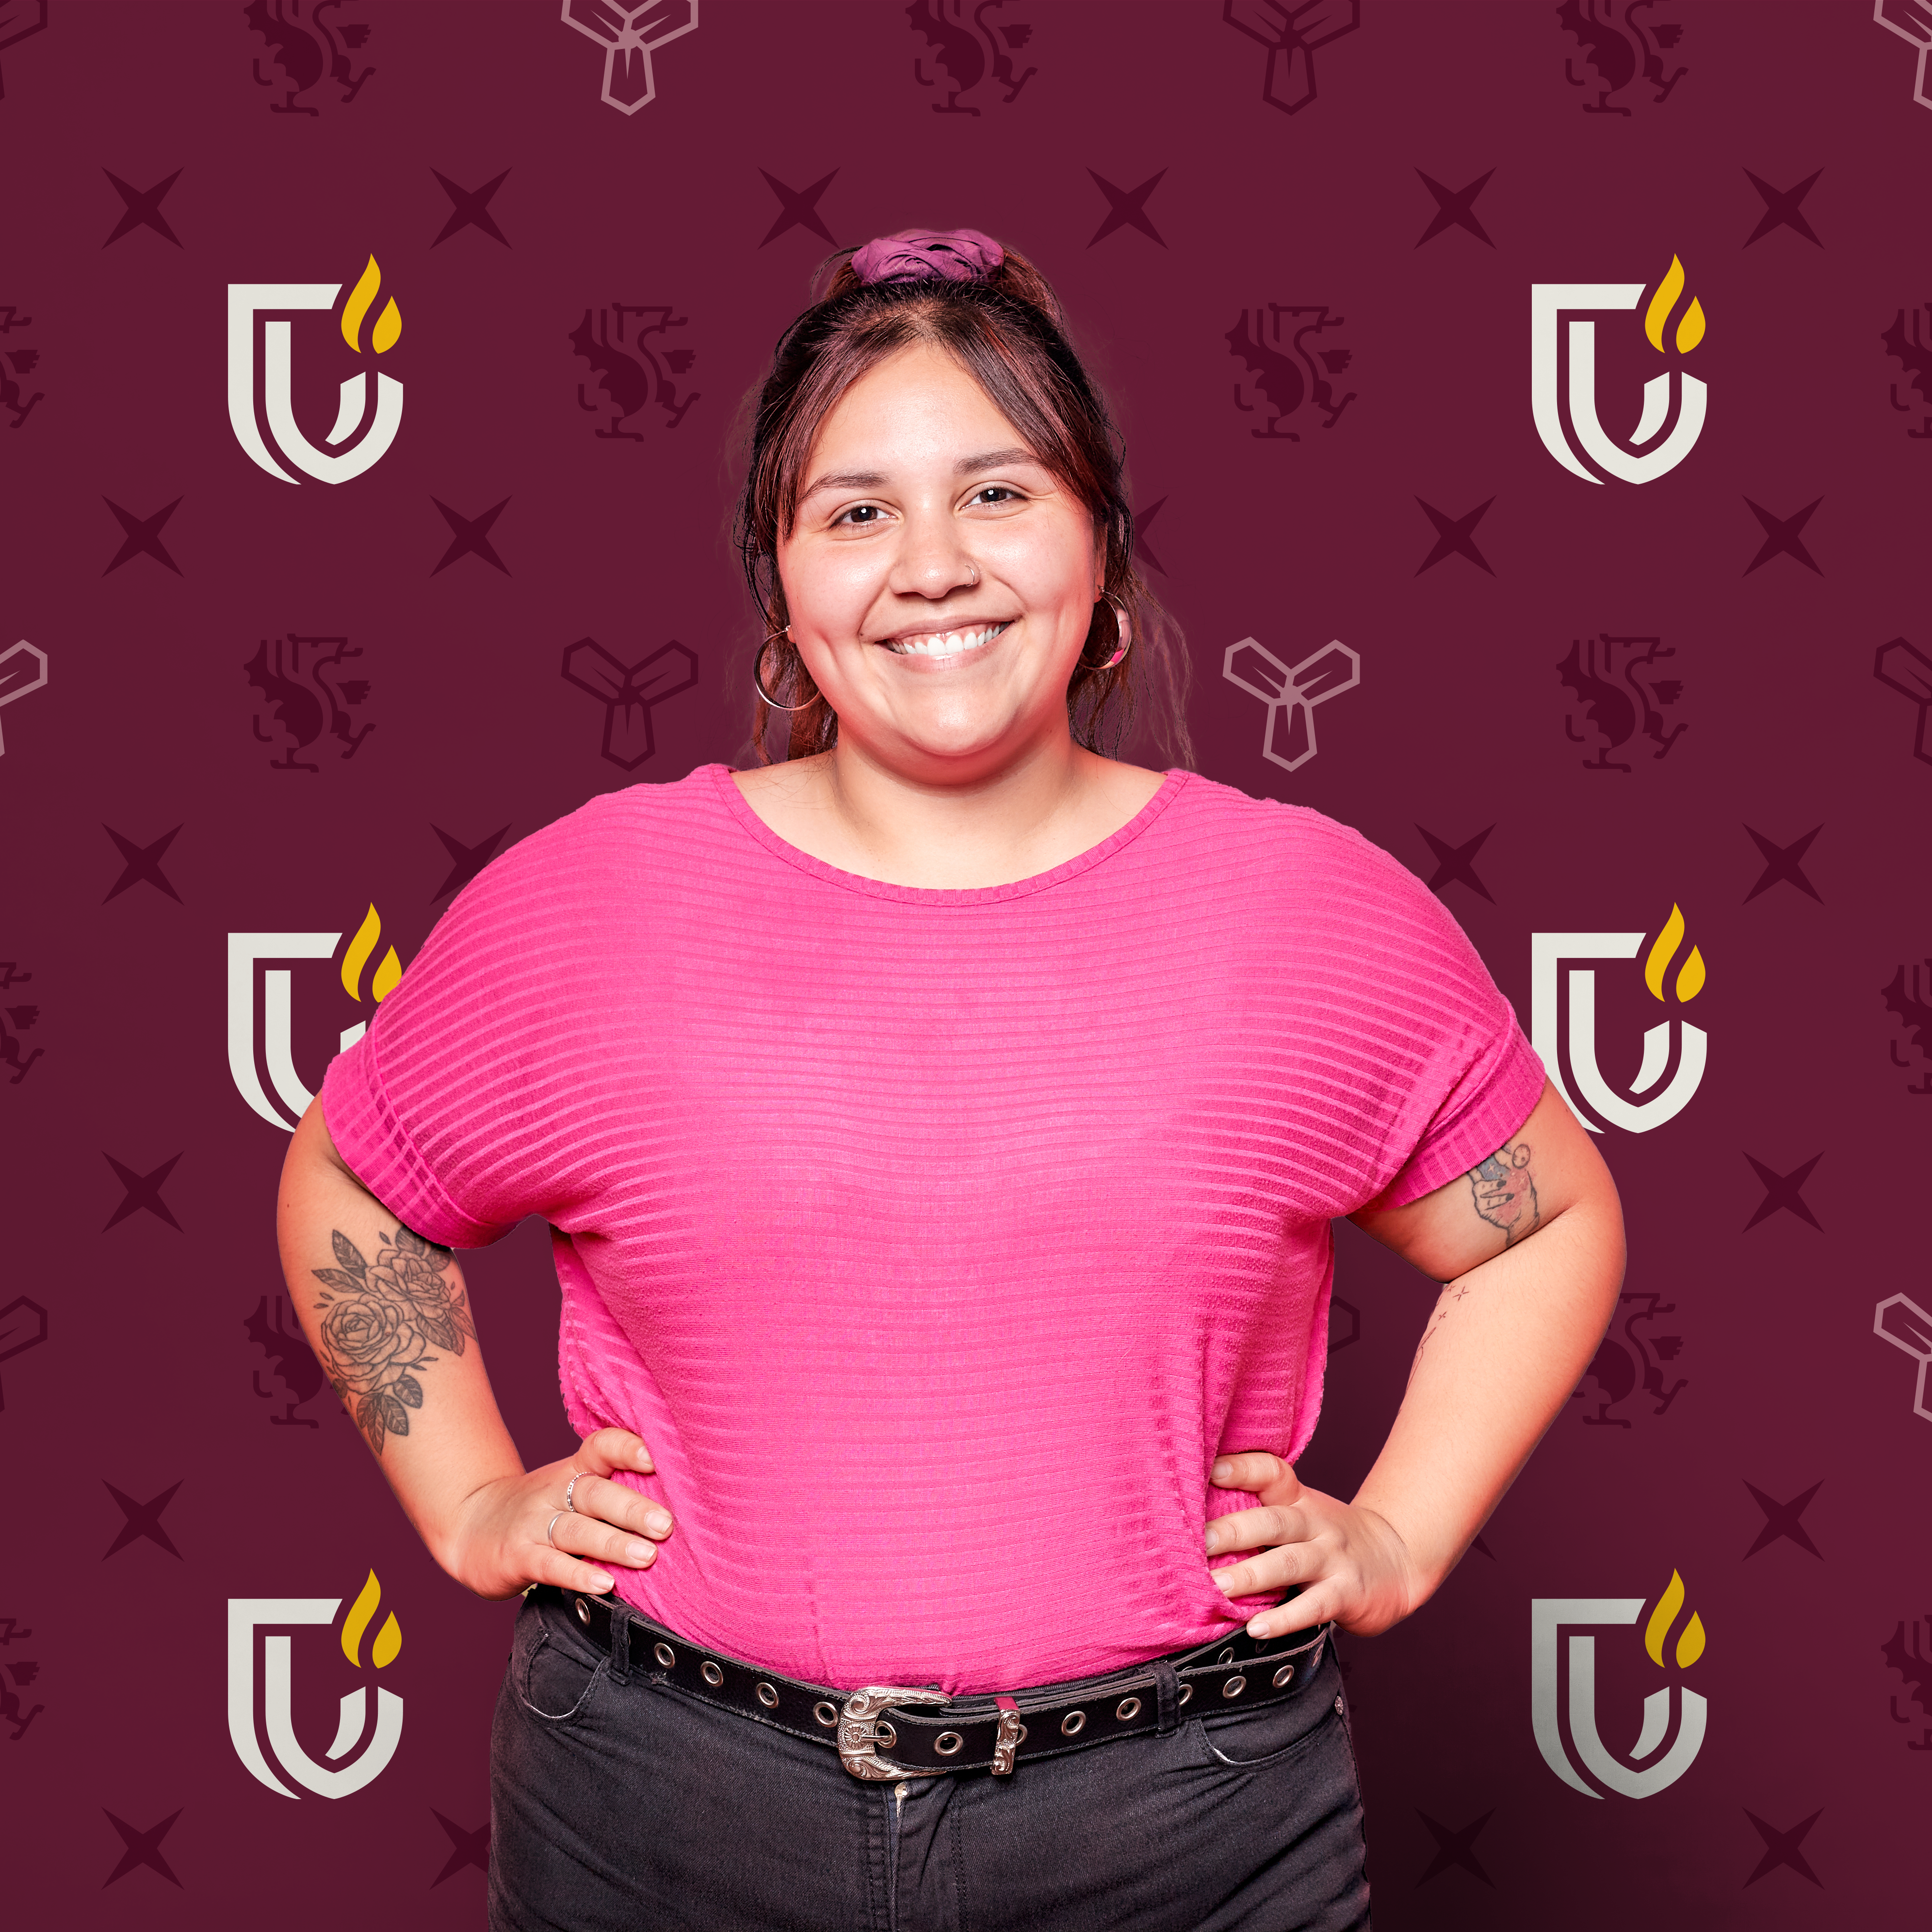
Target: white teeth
946, 644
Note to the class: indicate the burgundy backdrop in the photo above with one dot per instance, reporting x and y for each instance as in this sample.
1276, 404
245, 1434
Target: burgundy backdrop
1297, 246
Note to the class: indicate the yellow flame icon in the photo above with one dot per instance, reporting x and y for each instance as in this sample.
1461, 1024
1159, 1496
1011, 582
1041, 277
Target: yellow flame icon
388, 325
1690, 975
388, 1639
1689, 324
1689, 1640
387, 974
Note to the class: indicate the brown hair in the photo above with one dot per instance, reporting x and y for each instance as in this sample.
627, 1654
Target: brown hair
1008, 333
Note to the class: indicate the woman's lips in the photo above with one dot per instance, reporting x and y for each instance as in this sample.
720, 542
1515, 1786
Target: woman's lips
946, 644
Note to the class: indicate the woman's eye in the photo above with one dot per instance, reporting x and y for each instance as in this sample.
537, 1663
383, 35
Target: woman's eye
861, 515
995, 493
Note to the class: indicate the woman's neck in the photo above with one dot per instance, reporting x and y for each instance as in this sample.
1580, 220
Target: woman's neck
851, 810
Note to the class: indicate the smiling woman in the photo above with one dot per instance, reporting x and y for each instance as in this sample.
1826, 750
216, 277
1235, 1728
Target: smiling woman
940, 1132
973, 332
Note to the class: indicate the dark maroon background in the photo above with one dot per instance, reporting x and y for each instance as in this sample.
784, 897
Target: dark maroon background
148, 1377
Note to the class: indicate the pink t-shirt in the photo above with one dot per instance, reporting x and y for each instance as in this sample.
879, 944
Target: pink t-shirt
936, 1241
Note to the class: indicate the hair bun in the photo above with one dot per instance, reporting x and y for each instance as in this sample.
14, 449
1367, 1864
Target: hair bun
923, 254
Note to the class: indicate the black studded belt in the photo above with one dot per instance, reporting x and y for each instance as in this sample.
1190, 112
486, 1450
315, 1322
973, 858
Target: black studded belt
891, 1731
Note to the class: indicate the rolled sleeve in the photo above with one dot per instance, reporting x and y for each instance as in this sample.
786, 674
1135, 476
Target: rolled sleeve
372, 1138
1498, 1092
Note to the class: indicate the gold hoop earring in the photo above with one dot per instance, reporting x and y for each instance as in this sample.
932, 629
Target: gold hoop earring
772, 637
1124, 632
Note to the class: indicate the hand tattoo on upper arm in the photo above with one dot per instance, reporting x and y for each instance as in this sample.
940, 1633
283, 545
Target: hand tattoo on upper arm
1505, 1194
378, 1321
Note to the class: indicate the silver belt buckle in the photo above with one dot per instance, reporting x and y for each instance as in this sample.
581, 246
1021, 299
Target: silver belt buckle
863, 1733
1006, 1738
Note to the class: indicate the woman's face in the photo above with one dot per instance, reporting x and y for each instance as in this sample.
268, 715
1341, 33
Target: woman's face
941, 582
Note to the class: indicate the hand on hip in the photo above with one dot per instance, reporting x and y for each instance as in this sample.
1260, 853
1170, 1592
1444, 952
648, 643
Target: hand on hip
1352, 1567
566, 1523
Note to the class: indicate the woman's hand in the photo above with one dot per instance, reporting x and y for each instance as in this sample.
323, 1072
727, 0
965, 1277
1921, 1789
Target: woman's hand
1352, 1566
500, 1544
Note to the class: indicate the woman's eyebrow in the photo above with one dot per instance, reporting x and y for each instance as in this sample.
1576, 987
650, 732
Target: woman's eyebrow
845, 479
993, 459
874, 479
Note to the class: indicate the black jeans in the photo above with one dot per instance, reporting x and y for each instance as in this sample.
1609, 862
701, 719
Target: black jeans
632, 1805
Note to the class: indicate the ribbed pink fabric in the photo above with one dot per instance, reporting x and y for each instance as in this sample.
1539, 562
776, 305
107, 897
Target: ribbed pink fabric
936, 1241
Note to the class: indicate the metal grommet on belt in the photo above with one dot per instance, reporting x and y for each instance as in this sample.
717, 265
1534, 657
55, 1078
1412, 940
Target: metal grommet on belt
827, 1715
664, 1654
768, 1696
712, 1675
1073, 1723
1283, 1675
1187, 1692
1227, 1655
1234, 1686
947, 1742
583, 1612
1127, 1709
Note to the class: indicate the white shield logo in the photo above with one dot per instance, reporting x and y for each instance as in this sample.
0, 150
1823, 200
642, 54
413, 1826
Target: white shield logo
1548, 1616
1548, 302
246, 300
1547, 952
246, 1615
246, 951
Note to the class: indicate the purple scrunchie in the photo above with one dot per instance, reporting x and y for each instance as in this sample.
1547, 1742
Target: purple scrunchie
915, 254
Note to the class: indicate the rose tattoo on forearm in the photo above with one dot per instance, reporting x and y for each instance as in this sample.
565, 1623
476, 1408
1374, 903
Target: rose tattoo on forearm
1505, 1194
378, 1323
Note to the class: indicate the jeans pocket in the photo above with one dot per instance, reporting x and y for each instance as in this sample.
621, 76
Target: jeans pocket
553, 1677
1246, 1740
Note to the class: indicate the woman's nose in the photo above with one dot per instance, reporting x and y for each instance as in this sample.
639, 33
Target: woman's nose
932, 561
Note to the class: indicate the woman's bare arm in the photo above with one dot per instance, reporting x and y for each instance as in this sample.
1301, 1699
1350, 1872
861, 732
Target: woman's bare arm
1529, 1246
388, 1315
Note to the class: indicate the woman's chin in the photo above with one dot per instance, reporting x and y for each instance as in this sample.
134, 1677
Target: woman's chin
955, 735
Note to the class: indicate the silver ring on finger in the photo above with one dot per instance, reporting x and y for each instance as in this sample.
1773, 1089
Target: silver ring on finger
550, 1532
576, 1477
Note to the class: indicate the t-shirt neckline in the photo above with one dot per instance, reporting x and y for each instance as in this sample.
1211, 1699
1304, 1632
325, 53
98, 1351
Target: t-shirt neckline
1172, 781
